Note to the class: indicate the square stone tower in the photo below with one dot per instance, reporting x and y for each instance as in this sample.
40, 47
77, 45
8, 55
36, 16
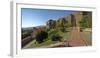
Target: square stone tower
75, 19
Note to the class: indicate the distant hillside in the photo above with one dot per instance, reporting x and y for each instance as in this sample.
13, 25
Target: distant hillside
27, 28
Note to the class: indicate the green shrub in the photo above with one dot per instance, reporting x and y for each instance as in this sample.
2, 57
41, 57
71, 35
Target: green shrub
41, 36
85, 23
62, 29
52, 31
56, 37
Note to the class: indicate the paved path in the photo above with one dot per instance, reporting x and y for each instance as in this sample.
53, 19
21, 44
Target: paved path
29, 44
77, 38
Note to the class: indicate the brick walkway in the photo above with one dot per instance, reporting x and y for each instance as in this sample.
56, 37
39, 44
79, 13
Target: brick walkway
77, 38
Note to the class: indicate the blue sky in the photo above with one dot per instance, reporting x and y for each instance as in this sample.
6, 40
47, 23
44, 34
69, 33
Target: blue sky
36, 17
